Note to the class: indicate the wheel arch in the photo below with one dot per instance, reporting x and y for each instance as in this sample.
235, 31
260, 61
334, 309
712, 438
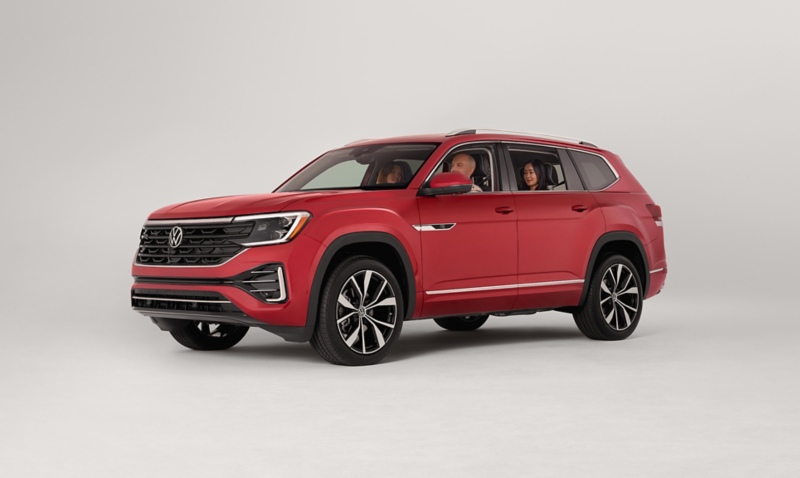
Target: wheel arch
381, 245
625, 243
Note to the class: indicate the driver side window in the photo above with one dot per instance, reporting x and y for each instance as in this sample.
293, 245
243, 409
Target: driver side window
476, 162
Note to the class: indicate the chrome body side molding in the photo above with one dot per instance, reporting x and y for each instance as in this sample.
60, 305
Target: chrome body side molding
434, 227
506, 286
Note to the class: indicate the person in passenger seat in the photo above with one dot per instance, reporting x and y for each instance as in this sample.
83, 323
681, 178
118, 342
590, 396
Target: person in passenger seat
390, 173
533, 177
465, 163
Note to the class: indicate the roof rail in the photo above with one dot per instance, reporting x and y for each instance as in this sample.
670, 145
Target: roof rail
460, 132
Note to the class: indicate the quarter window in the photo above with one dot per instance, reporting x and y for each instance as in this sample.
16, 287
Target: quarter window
594, 170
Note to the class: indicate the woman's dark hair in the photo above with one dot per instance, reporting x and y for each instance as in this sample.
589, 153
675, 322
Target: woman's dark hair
539, 169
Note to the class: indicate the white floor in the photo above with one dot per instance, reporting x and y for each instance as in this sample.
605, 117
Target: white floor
701, 389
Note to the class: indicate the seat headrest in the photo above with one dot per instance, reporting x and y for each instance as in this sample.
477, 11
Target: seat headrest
481, 166
407, 173
551, 174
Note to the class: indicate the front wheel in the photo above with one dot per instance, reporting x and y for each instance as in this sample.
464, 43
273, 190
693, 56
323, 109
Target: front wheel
462, 324
360, 313
614, 302
209, 336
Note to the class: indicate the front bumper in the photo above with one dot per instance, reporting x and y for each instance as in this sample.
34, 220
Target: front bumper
284, 314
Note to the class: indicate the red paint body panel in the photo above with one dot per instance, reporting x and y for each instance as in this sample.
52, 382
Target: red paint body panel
479, 251
512, 255
555, 243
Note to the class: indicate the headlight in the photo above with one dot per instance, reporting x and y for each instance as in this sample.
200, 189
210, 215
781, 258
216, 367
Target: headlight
273, 228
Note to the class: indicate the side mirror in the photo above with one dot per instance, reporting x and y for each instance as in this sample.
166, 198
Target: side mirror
447, 183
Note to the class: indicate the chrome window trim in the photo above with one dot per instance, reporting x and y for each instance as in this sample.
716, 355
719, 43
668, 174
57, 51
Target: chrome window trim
434, 227
180, 267
506, 286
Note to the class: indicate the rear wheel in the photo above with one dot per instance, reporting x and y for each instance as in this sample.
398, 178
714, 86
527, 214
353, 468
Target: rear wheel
614, 302
209, 336
360, 314
462, 324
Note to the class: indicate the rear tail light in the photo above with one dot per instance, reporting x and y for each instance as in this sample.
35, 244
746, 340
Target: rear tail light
656, 213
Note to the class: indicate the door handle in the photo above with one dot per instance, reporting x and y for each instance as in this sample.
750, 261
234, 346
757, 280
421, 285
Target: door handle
504, 210
579, 208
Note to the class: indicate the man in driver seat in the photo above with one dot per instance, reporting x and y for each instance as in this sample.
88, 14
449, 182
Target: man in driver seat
465, 163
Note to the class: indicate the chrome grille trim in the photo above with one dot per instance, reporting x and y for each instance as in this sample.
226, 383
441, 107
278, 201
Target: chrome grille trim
182, 300
200, 245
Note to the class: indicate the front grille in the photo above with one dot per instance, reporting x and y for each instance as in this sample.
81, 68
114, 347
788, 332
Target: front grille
195, 301
201, 245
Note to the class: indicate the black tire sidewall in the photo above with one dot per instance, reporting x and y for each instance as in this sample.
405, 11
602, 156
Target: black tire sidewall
466, 323
594, 298
329, 302
191, 337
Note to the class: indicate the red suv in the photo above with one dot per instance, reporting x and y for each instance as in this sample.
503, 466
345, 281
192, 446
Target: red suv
453, 227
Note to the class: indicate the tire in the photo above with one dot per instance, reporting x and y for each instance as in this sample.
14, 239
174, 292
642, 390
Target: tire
614, 302
348, 330
209, 336
462, 324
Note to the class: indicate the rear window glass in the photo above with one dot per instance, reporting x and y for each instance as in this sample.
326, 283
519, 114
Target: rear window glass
593, 169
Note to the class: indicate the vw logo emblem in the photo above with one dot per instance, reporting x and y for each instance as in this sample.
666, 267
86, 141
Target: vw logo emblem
175, 237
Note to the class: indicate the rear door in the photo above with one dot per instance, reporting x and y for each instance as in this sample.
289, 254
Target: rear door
557, 228
469, 242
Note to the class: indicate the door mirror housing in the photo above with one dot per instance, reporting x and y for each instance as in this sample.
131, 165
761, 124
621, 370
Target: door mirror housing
447, 183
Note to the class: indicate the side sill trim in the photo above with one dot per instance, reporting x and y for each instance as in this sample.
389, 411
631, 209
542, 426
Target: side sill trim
657, 270
508, 286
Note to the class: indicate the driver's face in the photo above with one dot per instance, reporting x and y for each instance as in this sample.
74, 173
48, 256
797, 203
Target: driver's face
461, 164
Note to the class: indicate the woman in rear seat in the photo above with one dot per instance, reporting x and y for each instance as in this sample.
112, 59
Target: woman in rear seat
533, 177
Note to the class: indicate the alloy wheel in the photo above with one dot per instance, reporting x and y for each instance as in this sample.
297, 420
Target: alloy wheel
619, 297
211, 329
366, 312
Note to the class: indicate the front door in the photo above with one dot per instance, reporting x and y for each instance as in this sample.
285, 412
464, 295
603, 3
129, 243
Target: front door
469, 243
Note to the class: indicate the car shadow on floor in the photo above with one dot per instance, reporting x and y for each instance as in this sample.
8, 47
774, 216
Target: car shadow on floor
441, 341
415, 343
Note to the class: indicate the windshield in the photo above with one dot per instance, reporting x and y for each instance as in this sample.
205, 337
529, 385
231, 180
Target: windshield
378, 166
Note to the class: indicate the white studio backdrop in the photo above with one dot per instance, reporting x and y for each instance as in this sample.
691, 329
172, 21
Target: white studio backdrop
109, 110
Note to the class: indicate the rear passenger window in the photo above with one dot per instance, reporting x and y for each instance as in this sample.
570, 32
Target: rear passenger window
537, 169
594, 170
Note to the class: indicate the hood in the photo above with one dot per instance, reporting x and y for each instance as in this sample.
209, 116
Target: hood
232, 205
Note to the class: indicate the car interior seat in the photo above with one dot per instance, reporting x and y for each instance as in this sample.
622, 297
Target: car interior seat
481, 175
407, 173
551, 175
